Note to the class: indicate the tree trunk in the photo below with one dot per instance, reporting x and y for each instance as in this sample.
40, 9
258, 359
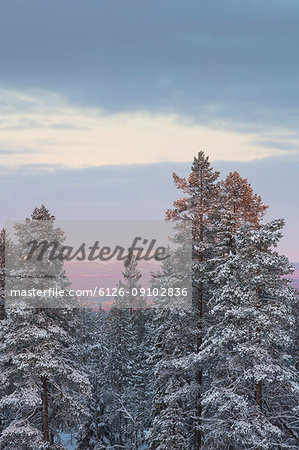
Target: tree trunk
258, 387
199, 372
45, 409
2, 312
258, 395
199, 325
96, 412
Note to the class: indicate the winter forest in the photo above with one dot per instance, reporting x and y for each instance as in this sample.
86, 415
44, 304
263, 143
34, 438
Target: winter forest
222, 374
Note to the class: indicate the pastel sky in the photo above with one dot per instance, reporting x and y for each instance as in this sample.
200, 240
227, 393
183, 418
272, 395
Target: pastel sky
101, 100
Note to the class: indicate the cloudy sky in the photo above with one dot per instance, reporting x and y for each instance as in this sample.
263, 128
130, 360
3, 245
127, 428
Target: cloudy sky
101, 100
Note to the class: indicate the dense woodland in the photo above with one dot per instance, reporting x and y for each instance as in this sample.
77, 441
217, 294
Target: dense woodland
221, 374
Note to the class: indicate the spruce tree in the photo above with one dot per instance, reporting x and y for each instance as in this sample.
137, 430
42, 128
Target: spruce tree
118, 340
172, 384
93, 433
251, 400
125, 372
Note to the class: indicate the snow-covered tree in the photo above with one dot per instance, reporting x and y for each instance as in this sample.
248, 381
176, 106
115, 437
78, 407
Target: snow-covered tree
94, 433
172, 332
2, 309
125, 372
131, 286
117, 335
2, 273
203, 210
251, 400
172, 385
44, 387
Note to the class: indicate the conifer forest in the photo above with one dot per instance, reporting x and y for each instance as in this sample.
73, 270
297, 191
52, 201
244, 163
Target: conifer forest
221, 374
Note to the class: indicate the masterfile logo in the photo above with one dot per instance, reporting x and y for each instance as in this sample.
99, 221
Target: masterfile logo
56, 264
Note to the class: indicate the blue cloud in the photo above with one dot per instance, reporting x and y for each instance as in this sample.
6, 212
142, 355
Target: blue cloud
211, 61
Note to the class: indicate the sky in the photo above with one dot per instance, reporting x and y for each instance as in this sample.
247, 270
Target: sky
100, 101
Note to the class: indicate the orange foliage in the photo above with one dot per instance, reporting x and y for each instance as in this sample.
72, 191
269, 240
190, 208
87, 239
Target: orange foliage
242, 203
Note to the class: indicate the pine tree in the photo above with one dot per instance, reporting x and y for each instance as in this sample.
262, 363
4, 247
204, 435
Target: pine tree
251, 399
241, 206
203, 210
241, 203
45, 388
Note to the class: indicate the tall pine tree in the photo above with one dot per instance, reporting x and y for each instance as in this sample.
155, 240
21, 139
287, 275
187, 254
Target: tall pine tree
202, 209
44, 387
